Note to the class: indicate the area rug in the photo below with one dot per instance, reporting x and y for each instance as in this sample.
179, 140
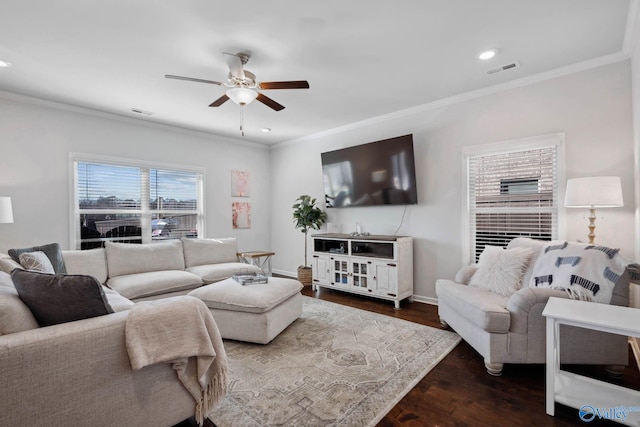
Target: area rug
334, 366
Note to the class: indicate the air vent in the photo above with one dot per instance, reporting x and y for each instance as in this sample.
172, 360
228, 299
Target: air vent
511, 66
143, 112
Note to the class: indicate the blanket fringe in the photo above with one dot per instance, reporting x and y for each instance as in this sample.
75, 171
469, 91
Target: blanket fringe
216, 389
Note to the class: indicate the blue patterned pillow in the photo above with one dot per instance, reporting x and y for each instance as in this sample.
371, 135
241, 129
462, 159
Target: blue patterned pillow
586, 272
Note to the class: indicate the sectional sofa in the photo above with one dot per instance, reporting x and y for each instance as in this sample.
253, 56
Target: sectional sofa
78, 373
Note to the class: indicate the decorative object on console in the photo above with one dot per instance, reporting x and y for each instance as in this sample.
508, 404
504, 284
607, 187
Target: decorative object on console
594, 192
307, 216
6, 210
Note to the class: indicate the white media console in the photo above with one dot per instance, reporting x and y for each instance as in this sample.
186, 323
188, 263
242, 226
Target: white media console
379, 266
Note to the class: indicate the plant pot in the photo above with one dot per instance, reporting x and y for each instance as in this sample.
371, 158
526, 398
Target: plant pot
305, 275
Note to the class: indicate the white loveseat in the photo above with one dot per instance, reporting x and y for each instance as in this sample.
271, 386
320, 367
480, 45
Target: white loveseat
511, 329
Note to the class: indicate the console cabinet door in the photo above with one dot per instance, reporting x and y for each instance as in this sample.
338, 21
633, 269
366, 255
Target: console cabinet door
340, 273
360, 274
385, 279
321, 269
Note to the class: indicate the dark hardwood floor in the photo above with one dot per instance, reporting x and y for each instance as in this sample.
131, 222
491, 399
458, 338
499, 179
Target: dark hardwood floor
459, 392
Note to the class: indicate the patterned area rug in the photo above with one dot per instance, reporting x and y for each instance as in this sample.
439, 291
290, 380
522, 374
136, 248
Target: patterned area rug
336, 365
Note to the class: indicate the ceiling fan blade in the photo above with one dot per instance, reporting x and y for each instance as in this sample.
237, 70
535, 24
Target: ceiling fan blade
191, 79
218, 102
295, 84
235, 65
269, 102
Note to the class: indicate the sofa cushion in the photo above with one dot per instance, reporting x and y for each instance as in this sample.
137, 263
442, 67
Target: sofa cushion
215, 272
485, 309
116, 301
501, 270
53, 253
57, 298
8, 265
209, 251
153, 283
126, 258
258, 298
15, 316
36, 261
92, 262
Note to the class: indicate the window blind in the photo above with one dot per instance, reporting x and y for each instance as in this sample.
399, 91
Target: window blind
135, 204
512, 194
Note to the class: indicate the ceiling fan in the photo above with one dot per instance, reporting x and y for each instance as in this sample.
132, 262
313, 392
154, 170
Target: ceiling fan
243, 88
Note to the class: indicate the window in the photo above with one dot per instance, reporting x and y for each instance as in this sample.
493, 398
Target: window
121, 201
512, 191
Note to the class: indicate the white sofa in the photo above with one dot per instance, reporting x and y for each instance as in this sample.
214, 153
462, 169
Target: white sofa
78, 373
511, 329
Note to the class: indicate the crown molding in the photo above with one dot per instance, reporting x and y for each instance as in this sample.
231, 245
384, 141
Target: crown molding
12, 96
479, 93
632, 30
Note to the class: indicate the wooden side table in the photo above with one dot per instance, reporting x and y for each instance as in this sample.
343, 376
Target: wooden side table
256, 258
587, 394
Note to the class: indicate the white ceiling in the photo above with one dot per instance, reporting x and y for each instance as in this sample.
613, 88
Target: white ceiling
362, 58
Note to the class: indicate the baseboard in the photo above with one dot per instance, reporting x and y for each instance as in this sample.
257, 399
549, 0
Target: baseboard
425, 300
292, 274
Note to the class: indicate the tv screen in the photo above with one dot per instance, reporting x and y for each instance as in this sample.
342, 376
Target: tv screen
377, 173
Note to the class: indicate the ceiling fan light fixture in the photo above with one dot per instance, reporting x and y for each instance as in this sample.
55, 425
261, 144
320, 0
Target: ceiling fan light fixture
242, 95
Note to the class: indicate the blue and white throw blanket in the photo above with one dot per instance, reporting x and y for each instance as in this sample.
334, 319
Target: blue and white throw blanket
586, 272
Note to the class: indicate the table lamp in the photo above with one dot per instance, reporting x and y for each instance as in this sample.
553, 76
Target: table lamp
6, 211
593, 192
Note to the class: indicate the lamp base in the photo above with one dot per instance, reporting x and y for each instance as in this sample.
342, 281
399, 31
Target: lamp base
592, 226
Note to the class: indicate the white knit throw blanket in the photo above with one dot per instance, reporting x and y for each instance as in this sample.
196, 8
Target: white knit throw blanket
181, 331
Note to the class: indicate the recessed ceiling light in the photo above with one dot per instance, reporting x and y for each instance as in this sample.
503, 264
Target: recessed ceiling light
487, 54
266, 130
4, 63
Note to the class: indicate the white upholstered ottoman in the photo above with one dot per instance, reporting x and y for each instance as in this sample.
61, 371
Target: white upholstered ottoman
254, 313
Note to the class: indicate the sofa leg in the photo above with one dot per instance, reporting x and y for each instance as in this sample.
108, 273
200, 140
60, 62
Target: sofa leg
614, 371
443, 323
494, 369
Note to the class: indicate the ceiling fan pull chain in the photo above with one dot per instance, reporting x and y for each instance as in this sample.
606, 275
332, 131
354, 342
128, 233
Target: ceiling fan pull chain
241, 120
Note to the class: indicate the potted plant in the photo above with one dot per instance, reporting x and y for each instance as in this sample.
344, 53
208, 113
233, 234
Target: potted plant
307, 216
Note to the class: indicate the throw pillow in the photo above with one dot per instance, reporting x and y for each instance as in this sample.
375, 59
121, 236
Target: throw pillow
36, 261
53, 253
586, 272
501, 270
56, 298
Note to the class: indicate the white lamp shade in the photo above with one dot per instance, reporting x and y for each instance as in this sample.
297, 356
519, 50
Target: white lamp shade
242, 95
594, 192
6, 211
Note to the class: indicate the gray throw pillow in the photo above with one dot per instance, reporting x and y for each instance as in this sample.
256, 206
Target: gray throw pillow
58, 298
52, 250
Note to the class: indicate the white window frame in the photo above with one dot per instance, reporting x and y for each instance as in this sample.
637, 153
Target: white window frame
531, 143
145, 212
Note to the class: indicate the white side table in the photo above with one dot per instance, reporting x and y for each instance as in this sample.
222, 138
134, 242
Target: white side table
256, 258
576, 390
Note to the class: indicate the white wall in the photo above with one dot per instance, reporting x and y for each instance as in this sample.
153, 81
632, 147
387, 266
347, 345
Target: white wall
635, 83
592, 108
35, 142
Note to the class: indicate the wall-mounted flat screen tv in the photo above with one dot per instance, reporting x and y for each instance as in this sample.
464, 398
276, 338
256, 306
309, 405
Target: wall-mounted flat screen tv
378, 173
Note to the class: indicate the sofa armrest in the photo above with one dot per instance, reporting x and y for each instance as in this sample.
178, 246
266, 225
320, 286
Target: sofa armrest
526, 307
465, 273
78, 373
